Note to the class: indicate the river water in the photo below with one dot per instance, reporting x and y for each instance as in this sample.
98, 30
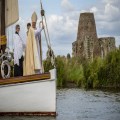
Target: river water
78, 104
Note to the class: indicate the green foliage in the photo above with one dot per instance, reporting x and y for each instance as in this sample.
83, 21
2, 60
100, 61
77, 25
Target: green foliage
68, 56
47, 65
109, 73
99, 73
74, 71
61, 81
60, 69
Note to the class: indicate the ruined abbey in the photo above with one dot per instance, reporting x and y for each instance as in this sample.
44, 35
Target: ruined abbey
88, 45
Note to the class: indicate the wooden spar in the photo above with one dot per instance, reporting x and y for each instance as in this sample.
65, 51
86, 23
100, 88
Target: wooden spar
53, 114
2, 25
40, 42
0, 17
2, 22
3, 17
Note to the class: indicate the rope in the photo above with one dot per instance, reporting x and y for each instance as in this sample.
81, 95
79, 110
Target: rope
11, 28
50, 52
45, 35
43, 24
47, 31
12, 39
8, 38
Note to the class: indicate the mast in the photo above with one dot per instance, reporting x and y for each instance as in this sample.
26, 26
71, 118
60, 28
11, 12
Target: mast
2, 22
3, 18
0, 16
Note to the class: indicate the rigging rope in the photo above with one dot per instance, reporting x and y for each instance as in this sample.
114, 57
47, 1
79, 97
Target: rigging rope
50, 52
43, 17
47, 30
45, 34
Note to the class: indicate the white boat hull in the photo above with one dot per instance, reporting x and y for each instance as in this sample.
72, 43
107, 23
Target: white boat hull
29, 97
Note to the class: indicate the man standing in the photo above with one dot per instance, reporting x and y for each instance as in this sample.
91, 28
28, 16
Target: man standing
18, 53
33, 61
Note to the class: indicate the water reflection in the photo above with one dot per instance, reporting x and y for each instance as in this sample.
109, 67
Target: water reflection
77, 104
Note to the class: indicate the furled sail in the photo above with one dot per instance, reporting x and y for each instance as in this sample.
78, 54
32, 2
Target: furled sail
11, 12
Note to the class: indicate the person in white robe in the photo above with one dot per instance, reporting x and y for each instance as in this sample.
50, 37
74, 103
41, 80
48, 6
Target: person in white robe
19, 47
33, 60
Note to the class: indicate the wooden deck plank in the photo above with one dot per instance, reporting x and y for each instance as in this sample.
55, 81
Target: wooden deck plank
30, 78
28, 114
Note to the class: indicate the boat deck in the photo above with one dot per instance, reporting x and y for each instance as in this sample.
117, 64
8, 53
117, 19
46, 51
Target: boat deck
22, 79
28, 114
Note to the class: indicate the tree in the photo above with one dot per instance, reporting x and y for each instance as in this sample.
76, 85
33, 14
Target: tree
68, 56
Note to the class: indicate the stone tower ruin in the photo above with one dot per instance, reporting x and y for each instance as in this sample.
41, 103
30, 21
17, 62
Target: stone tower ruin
107, 44
88, 45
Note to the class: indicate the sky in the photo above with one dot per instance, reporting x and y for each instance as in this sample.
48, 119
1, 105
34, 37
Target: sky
63, 16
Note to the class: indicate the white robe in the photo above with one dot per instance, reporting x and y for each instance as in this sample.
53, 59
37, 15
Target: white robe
38, 38
32, 61
19, 47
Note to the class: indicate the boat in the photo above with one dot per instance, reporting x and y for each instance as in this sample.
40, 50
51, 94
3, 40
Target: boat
24, 95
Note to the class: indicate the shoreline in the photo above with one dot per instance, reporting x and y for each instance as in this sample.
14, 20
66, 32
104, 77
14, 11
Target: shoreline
104, 88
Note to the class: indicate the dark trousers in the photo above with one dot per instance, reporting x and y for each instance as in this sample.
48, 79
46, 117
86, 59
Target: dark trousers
18, 69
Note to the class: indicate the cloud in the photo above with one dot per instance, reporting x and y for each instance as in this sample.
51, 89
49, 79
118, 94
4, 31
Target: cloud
94, 9
114, 2
63, 31
107, 17
66, 5
112, 12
